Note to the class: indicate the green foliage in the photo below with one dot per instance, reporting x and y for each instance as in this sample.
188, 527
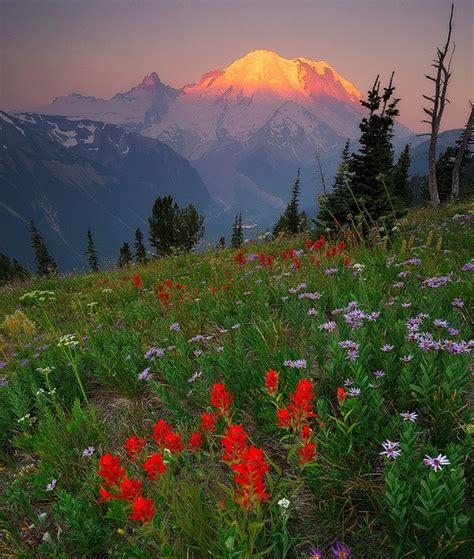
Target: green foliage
125, 256
11, 270
401, 179
45, 263
237, 239
173, 228
140, 251
291, 222
92, 258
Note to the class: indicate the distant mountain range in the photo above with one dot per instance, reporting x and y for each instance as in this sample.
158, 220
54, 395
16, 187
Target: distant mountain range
231, 142
247, 128
70, 174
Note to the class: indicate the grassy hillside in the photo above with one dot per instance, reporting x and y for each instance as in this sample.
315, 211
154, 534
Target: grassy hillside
376, 330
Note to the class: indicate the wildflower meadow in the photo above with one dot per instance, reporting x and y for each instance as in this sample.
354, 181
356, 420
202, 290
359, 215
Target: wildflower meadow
307, 398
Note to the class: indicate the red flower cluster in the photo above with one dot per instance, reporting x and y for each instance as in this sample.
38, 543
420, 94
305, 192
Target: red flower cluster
154, 466
165, 438
208, 422
221, 399
137, 281
119, 486
234, 443
195, 441
250, 477
341, 394
170, 293
297, 415
271, 381
134, 445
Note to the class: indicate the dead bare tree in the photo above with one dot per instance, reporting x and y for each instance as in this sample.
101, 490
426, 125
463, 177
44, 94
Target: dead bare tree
320, 168
442, 64
466, 136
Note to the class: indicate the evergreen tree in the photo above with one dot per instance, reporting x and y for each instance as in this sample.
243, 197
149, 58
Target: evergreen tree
401, 179
91, 253
221, 243
45, 263
172, 228
371, 167
125, 256
11, 270
336, 205
140, 251
190, 229
237, 239
291, 222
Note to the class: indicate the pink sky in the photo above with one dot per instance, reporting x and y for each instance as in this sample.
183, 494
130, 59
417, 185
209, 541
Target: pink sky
51, 48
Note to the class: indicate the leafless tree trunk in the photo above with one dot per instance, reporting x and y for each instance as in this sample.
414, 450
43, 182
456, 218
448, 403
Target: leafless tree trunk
441, 79
320, 168
462, 148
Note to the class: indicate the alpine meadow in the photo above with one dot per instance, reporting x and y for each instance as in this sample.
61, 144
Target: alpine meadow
236, 315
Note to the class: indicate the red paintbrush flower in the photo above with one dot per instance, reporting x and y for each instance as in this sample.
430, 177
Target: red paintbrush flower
308, 244
161, 430
133, 445
137, 280
195, 441
142, 509
305, 433
110, 469
220, 398
341, 394
301, 407
307, 453
105, 495
250, 477
208, 422
297, 263
284, 256
283, 418
234, 443
347, 261
240, 258
154, 466
173, 442
130, 489
271, 382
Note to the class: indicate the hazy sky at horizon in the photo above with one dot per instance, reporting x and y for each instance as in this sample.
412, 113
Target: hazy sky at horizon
51, 48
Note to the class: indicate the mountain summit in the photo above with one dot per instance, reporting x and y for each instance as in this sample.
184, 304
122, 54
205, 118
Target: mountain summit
265, 72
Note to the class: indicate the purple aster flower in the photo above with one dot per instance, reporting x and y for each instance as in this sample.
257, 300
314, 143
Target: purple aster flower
412, 262
329, 326
340, 550
354, 318
25, 362
453, 331
409, 416
391, 449
154, 352
469, 267
312, 296
145, 374
330, 271
312, 312
2, 365
348, 382
406, 358
52, 485
398, 285
3, 381
436, 463
379, 374
404, 274
373, 316
352, 355
296, 364
439, 323
387, 348
197, 352
354, 392
175, 327
89, 451
198, 338
407, 305
352, 304
436, 282
457, 303
315, 553
348, 344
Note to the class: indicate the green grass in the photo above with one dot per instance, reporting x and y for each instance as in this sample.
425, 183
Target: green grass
92, 396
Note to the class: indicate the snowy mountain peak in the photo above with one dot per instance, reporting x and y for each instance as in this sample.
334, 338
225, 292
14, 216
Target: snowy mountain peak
151, 80
264, 72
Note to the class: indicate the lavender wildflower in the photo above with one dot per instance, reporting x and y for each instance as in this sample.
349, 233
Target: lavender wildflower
436, 463
296, 364
145, 374
391, 449
409, 416
52, 485
89, 451
340, 551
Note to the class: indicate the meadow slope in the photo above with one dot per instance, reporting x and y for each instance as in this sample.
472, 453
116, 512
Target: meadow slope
377, 330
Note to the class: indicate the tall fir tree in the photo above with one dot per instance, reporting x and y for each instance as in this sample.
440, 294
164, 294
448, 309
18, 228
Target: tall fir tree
237, 239
92, 258
401, 179
11, 270
140, 251
291, 222
335, 206
45, 263
190, 228
125, 256
371, 167
221, 244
